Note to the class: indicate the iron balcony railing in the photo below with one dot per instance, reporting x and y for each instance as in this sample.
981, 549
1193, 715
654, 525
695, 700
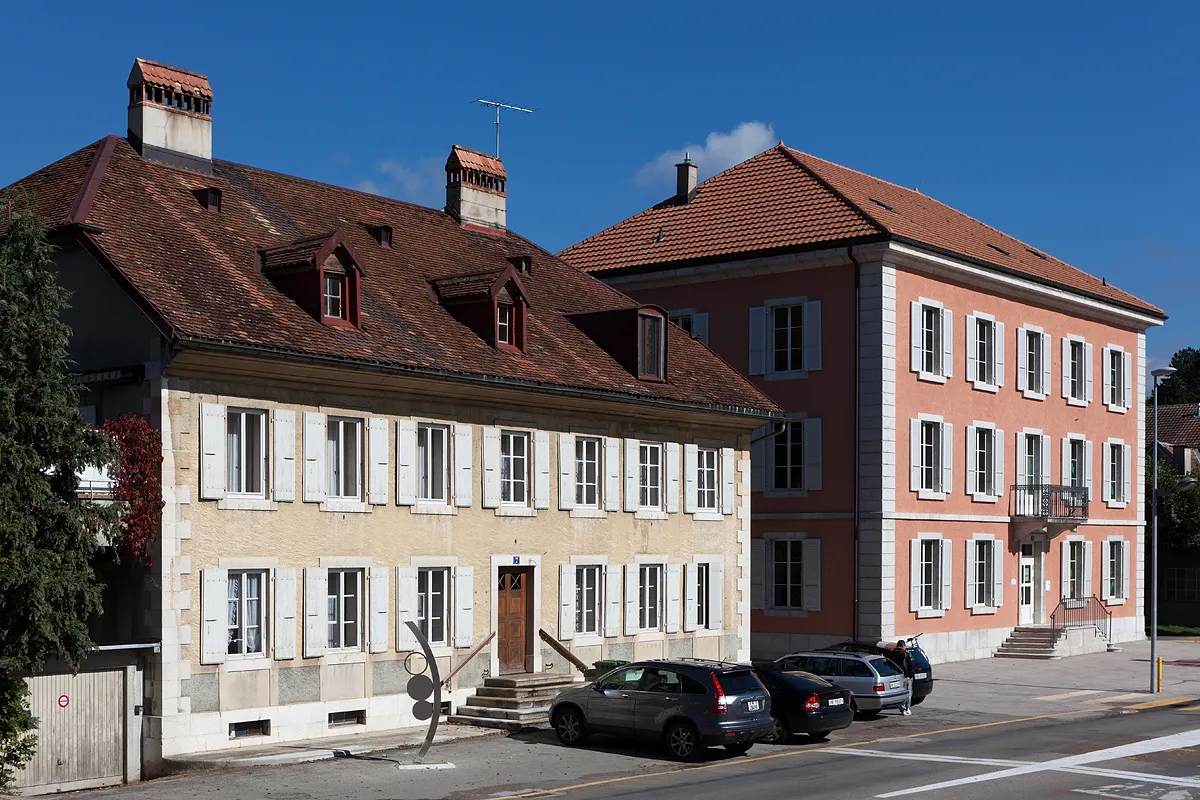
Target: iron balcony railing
1050, 501
1082, 612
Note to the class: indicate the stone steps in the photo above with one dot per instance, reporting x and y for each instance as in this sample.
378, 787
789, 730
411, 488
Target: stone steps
528, 701
1031, 643
513, 702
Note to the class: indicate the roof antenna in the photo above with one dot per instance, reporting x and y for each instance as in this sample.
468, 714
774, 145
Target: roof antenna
498, 105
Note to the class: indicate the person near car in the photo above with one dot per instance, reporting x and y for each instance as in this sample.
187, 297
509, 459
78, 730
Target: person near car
899, 657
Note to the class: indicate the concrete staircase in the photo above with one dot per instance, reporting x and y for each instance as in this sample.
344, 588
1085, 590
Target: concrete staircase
1031, 641
513, 702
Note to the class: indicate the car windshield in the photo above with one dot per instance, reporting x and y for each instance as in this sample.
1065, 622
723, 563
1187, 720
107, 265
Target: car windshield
885, 668
803, 680
739, 682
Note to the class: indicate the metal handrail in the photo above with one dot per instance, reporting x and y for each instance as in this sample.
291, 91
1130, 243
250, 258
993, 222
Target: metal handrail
1049, 501
478, 649
562, 650
1082, 612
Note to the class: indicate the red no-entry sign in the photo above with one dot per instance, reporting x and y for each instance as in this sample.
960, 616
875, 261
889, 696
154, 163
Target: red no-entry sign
63, 701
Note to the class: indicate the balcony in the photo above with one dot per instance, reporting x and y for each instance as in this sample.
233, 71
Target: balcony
1050, 503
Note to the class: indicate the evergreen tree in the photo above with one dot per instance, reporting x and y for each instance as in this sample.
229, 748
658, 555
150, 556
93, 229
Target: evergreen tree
1184, 385
47, 534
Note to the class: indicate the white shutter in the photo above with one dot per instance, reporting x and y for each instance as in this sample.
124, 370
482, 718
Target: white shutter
612, 600
631, 599
406, 462
672, 484
491, 467
999, 353
1088, 370
1066, 368
690, 466
1066, 461
757, 337
947, 457
1022, 475
283, 435
1087, 468
316, 611
612, 474
1125, 490
812, 454
1045, 460
1105, 571
1127, 365
758, 455
691, 597
915, 335
212, 451
378, 631
716, 595
377, 450
1046, 344
972, 347
566, 472
811, 566
673, 597
728, 490
812, 335
947, 572
972, 567
947, 342
972, 477
314, 457
997, 573
463, 457
700, 326
1124, 568
1105, 375
758, 573
284, 623
464, 606
214, 605
998, 466
914, 454
1106, 470
566, 602
914, 574
1065, 568
1087, 569
1022, 359
406, 607
631, 475
541, 466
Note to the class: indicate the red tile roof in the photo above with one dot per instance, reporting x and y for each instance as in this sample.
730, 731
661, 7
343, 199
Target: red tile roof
172, 77
783, 200
474, 159
1177, 424
199, 273
475, 284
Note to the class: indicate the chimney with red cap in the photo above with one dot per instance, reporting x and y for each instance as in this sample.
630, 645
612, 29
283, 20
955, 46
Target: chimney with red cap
475, 184
170, 115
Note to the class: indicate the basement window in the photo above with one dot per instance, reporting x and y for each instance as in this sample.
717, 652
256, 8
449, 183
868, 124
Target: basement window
338, 719
257, 727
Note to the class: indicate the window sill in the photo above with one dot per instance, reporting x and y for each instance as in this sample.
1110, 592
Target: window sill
587, 640
985, 387
926, 494
234, 663
984, 498
1114, 601
651, 513
795, 613
706, 633
1071, 401
355, 656
979, 610
235, 503
1032, 395
931, 613
708, 516
1117, 409
515, 511
588, 513
931, 377
345, 506
794, 493
650, 635
436, 509
790, 375
1116, 503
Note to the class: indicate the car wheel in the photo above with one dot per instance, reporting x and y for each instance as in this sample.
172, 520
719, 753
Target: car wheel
570, 727
916, 701
778, 734
682, 742
739, 749
819, 736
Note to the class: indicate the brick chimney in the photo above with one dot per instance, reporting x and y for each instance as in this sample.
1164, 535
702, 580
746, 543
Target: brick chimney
475, 188
685, 180
170, 115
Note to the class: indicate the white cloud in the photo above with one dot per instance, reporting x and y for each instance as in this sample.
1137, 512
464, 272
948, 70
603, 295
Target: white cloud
421, 182
370, 187
720, 151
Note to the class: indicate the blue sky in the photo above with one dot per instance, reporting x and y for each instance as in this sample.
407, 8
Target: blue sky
1074, 126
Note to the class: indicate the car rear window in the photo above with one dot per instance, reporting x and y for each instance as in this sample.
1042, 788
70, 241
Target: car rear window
855, 669
918, 659
739, 682
803, 681
885, 668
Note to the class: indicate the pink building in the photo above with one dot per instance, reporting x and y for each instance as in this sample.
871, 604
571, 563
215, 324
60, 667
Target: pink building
963, 451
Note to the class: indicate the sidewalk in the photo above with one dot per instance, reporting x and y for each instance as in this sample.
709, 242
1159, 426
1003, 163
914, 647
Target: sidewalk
318, 749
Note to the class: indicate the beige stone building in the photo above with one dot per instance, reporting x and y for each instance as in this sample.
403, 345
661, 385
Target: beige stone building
374, 413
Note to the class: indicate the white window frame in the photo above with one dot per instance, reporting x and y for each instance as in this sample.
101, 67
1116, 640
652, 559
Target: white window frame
708, 480
650, 476
242, 601
504, 322
994, 357
942, 345
342, 282
241, 491
425, 599
943, 483
340, 447
580, 461
984, 544
1122, 392
507, 462
1070, 381
1085, 478
426, 433
703, 595
1119, 578
646, 594
1120, 466
1044, 377
338, 618
697, 322
937, 604
994, 470
582, 603
1077, 582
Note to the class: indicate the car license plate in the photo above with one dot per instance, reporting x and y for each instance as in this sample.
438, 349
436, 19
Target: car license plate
895, 684
836, 701
920, 676
754, 705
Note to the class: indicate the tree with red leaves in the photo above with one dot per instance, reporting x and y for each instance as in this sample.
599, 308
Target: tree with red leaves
138, 489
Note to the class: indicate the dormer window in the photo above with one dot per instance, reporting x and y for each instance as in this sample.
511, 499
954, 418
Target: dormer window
383, 235
651, 345
335, 296
492, 303
321, 274
504, 323
209, 197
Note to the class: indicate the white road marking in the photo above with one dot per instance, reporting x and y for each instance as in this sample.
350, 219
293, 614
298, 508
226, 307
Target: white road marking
1157, 745
983, 762
1138, 792
1067, 695
1121, 698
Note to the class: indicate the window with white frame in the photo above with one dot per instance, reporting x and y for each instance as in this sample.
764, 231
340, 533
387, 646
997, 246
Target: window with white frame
587, 472
703, 595
1116, 378
514, 467
1076, 570
1116, 458
1115, 576
787, 463
433, 603
1077, 370
433, 471
931, 456
588, 599
930, 329
1034, 353
344, 459
787, 573
650, 475
504, 323
246, 451
982, 573
985, 351
983, 460
706, 479
787, 338
1035, 470
1077, 463
649, 597
692, 322
334, 296
930, 575
344, 616
247, 612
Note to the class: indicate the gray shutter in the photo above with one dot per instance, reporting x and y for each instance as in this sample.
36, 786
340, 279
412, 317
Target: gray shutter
316, 611
716, 594
284, 623
283, 435
1105, 375
1106, 471
914, 574
1088, 370
691, 597
214, 605
1127, 365
612, 600
377, 452
811, 566
406, 607
314, 457
812, 454
1125, 490
972, 348
612, 474
758, 573
970, 565
947, 343
812, 335
541, 469
631, 599
972, 478
566, 602
1087, 569
998, 553
406, 462
914, 454
757, 338
915, 335
1065, 568
631, 474
491, 467
1105, 571
1066, 368
674, 587
566, 472
464, 606
999, 339
947, 572
1087, 468
947, 457
700, 326
1046, 359
1022, 359
1045, 459
728, 490
691, 466
1066, 461
671, 453
1124, 569
463, 458
212, 451
1022, 476
377, 631
998, 461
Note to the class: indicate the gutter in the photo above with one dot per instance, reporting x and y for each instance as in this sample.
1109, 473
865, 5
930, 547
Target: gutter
857, 430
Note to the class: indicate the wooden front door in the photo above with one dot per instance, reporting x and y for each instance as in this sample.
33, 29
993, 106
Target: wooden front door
512, 629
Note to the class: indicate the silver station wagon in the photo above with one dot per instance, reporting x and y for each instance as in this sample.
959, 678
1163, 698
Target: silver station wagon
875, 683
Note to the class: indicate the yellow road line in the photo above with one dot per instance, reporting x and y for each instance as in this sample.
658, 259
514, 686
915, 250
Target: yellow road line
1190, 708
1117, 699
1165, 701
787, 753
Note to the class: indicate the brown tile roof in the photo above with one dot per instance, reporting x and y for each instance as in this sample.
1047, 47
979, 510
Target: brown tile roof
783, 200
173, 77
473, 159
199, 273
475, 284
1177, 424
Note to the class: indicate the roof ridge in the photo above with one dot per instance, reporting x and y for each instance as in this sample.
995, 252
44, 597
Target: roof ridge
164, 65
82, 204
792, 156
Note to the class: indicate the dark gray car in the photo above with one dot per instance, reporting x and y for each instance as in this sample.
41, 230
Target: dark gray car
686, 704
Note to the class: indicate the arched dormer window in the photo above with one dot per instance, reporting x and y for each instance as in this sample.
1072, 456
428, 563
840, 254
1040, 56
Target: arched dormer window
652, 345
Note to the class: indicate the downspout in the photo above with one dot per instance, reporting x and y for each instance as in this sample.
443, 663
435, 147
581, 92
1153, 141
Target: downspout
857, 423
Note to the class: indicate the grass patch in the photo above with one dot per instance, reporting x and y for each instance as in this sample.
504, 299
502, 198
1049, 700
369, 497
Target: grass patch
1177, 630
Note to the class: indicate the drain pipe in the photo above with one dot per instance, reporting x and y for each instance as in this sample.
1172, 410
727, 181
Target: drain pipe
857, 432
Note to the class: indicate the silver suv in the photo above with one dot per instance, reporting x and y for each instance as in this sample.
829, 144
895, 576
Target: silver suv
686, 704
875, 683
